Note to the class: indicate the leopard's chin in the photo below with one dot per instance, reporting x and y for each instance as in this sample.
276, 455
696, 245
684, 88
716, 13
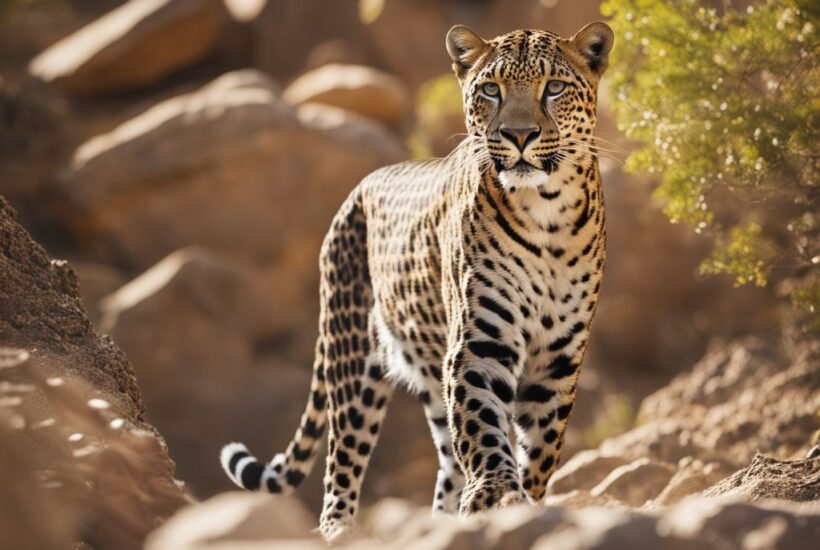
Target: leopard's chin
519, 177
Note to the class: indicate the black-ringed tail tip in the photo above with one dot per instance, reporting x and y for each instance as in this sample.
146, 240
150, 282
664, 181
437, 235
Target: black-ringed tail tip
248, 473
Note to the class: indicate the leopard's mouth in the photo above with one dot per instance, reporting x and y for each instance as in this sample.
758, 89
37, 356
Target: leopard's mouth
523, 167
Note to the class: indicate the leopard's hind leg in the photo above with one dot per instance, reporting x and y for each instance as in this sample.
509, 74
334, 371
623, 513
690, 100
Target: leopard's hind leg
358, 392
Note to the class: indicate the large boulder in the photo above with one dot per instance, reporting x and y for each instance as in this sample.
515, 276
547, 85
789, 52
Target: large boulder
364, 90
637, 482
227, 166
199, 327
232, 517
71, 414
132, 46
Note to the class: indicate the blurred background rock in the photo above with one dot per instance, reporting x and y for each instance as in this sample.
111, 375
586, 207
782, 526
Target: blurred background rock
186, 157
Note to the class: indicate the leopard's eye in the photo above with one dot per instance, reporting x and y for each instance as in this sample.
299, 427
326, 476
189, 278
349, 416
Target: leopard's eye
555, 88
491, 89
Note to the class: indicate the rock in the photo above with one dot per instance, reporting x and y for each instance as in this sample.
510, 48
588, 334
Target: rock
132, 46
283, 33
768, 477
582, 499
709, 523
198, 327
692, 476
342, 124
737, 400
715, 380
233, 517
363, 90
71, 413
225, 167
335, 51
709, 421
636, 482
583, 471
40, 309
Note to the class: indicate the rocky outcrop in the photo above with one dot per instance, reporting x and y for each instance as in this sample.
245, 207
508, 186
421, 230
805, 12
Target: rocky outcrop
41, 311
767, 478
71, 415
132, 46
363, 90
706, 424
740, 399
228, 166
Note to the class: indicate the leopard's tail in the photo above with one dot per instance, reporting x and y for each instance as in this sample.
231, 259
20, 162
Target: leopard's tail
285, 471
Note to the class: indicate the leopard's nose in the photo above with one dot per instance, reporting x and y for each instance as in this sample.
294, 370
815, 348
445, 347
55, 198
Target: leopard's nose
520, 137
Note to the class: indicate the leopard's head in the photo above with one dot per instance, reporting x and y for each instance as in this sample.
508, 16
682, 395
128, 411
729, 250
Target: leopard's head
532, 96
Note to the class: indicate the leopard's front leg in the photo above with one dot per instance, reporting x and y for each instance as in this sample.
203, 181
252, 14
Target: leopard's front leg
483, 365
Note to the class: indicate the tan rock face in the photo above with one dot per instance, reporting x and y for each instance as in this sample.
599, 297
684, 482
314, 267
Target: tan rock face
702, 427
236, 516
738, 400
132, 46
768, 477
227, 167
691, 477
40, 309
636, 482
584, 471
197, 327
360, 89
71, 415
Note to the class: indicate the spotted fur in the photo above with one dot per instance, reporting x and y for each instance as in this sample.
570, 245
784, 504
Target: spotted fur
471, 280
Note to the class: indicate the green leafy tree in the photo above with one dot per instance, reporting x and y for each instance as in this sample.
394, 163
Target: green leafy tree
724, 105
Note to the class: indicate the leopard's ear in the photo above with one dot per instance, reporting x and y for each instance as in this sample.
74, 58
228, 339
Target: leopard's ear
465, 47
594, 43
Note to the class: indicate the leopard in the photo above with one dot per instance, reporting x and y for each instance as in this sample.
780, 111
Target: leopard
470, 280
